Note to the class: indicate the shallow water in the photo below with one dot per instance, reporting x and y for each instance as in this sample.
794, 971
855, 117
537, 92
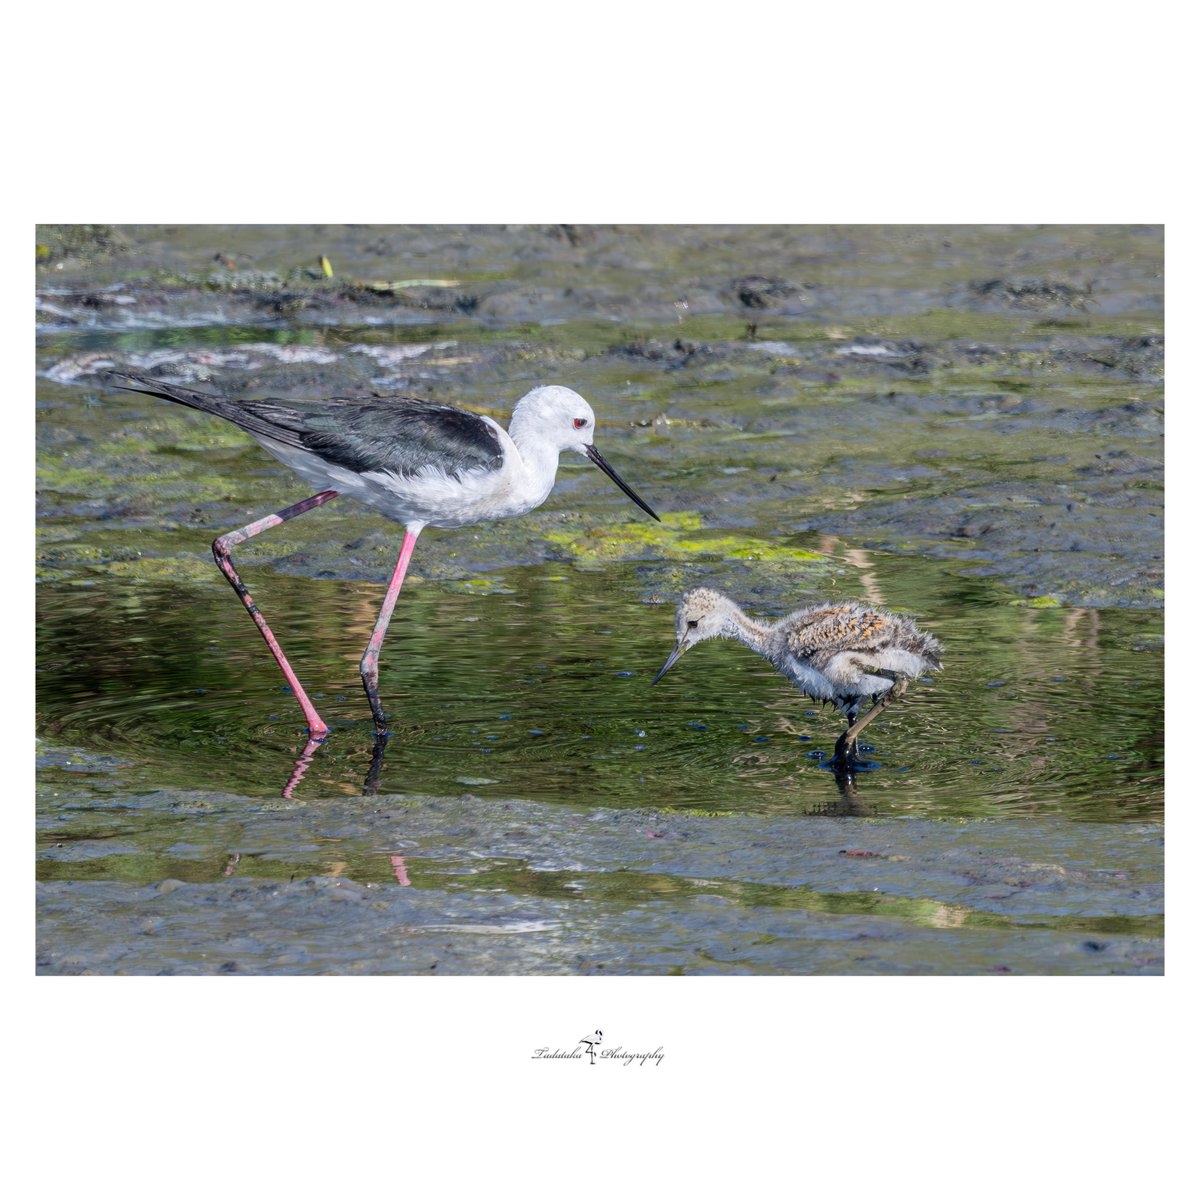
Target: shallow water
540, 687
816, 414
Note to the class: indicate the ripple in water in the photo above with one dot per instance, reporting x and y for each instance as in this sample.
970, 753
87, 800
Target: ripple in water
547, 693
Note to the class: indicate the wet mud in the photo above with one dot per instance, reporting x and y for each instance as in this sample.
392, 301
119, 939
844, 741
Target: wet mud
963, 423
462, 886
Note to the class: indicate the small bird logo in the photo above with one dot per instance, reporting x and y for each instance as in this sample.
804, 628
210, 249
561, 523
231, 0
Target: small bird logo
591, 1043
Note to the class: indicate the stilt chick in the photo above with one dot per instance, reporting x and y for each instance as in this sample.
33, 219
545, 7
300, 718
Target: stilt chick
844, 653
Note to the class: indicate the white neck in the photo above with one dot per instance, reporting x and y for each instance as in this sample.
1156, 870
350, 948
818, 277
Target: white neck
537, 465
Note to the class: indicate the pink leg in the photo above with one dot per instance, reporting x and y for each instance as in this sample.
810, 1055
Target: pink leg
221, 548
369, 668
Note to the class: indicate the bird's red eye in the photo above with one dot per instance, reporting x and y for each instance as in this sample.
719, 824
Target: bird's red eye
580, 422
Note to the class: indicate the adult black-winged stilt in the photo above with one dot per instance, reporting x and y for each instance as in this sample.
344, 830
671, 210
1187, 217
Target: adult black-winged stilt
843, 653
418, 462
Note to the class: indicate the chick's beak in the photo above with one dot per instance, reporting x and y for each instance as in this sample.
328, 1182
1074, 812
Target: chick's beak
672, 659
599, 460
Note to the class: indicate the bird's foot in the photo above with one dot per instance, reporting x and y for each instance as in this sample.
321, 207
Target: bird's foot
845, 753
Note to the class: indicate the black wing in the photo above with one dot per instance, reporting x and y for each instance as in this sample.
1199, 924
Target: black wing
401, 434
394, 433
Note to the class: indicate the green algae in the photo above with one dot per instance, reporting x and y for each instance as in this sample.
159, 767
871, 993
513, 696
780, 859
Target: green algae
194, 571
476, 587
679, 536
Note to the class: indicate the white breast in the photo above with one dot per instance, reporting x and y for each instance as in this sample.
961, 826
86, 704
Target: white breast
820, 686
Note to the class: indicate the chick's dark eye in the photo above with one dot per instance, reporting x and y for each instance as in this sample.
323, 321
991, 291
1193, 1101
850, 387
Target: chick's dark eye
693, 624
580, 422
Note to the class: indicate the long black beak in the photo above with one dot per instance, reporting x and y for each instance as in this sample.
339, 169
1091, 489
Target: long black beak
672, 659
599, 460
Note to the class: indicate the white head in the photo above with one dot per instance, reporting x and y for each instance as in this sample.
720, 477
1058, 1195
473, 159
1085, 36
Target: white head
559, 419
702, 614
554, 416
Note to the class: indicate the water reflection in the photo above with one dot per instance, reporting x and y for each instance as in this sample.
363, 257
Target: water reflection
378, 750
302, 765
849, 803
844, 773
554, 703
399, 870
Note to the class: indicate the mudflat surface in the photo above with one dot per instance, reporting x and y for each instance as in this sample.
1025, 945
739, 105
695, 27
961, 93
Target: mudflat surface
964, 424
